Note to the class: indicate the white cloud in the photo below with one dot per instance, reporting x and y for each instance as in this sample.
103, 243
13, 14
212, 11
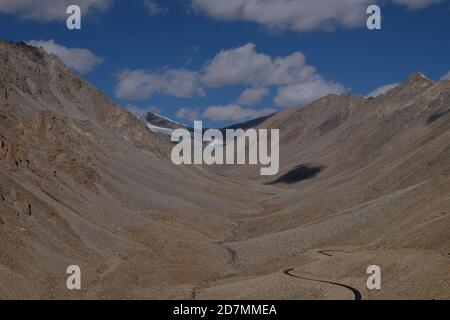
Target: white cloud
188, 114
382, 90
141, 112
81, 60
417, 4
246, 65
297, 95
140, 85
252, 96
234, 112
154, 8
297, 15
298, 82
235, 66
50, 10
446, 77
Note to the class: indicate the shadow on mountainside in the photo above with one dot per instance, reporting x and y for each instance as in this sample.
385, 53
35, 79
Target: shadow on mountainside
437, 115
302, 172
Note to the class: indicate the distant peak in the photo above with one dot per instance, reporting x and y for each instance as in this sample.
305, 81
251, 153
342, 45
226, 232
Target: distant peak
418, 80
13, 48
161, 121
419, 76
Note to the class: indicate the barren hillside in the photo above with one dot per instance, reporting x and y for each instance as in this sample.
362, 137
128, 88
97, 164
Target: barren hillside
82, 181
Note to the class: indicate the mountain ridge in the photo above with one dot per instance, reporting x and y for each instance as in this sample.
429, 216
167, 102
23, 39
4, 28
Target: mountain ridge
83, 181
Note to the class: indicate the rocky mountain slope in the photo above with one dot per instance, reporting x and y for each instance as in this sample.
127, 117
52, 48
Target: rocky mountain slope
82, 181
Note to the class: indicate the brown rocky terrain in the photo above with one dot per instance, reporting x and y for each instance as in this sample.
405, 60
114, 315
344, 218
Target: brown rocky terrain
82, 181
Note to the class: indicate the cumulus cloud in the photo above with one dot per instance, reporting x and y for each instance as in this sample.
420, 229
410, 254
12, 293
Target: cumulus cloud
297, 15
297, 95
298, 82
252, 96
246, 65
417, 4
234, 112
81, 60
382, 90
154, 8
446, 77
141, 85
234, 66
50, 10
188, 114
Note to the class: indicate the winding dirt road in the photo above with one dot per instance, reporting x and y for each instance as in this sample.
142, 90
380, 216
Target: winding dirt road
355, 292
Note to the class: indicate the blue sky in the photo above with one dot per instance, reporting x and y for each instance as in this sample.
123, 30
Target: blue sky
194, 59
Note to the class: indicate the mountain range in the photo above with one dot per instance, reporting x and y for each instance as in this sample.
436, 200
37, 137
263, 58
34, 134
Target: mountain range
363, 181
